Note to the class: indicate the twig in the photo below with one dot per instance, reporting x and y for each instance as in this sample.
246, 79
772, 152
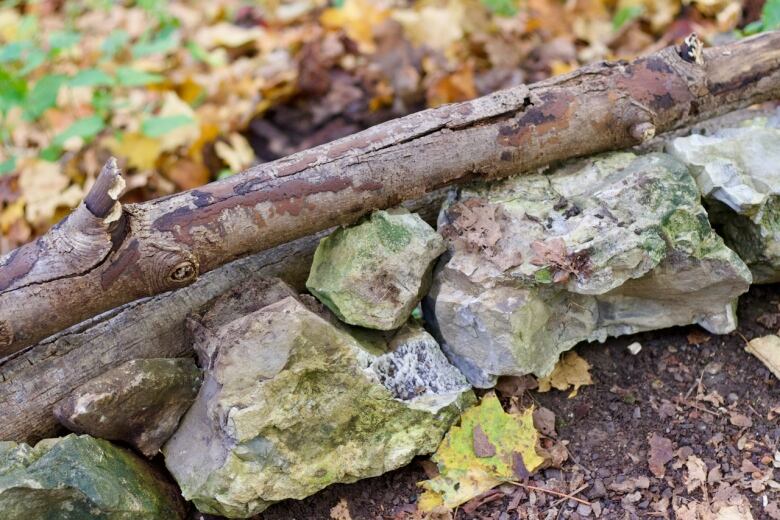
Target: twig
575, 492
551, 492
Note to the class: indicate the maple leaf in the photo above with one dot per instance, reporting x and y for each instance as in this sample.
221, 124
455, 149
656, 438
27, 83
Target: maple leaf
571, 370
489, 447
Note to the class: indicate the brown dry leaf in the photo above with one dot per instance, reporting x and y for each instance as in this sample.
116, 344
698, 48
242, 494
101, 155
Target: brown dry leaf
188, 174
515, 386
767, 350
740, 421
340, 511
571, 370
451, 88
482, 446
45, 188
697, 473
661, 452
435, 26
773, 510
698, 337
544, 421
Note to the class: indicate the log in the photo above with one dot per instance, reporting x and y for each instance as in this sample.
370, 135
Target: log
105, 255
34, 380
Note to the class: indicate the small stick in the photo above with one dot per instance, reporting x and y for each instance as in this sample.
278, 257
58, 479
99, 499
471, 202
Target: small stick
575, 492
550, 491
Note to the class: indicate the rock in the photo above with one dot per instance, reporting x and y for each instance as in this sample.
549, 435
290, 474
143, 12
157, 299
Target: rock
139, 402
738, 173
80, 478
606, 246
373, 274
293, 403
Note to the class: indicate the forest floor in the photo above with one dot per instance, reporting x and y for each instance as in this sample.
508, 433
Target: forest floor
703, 393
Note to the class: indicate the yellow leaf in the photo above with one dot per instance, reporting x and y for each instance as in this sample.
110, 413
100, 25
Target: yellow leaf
571, 370
227, 35
436, 27
140, 151
238, 154
181, 135
11, 214
489, 447
357, 18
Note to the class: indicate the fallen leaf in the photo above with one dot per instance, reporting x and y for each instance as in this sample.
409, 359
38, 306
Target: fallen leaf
544, 421
238, 154
740, 421
140, 151
340, 511
482, 446
463, 473
661, 452
697, 337
571, 370
767, 350
697, 473
357, 18
515, 386
183, 134
45, 188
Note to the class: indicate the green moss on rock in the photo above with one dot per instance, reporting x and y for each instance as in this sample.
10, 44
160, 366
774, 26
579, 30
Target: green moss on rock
373, 274
81, 478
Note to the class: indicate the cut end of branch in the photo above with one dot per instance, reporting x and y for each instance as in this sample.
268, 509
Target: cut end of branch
643, 132
101, 200
691, 50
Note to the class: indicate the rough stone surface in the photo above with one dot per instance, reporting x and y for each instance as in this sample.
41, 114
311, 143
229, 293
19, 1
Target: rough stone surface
139, 402
373, 274
602, 247
738, 173
80, 478
293, 403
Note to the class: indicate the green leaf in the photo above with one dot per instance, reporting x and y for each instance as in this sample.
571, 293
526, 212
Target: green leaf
501, 7
13, 90
224, 173
102, 101
85, 128
62, 40
163, 43
12, 51
51, 153
161, 125
130, 77
200, 54
34, 59
114, 42
91, 78
8, 166
770, 15
489, 447
625, 15
43, 95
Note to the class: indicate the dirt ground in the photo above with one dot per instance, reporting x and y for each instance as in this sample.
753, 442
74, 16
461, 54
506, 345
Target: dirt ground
703, 393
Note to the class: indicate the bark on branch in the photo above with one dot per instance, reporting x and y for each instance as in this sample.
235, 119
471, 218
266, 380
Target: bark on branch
94, 261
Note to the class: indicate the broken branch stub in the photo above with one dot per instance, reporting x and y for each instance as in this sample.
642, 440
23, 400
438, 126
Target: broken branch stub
166, 243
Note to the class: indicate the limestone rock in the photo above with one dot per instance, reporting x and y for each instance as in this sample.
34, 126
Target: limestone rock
601, 247
738, 173
139, 402
373, 274
293, 403
81, 478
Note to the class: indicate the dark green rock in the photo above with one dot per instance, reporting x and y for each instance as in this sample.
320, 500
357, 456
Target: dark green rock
81, 478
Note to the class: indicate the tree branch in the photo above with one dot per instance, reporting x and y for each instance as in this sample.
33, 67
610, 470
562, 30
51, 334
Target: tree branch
90, 263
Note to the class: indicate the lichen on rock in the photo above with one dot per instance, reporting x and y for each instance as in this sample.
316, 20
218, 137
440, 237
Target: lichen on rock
293, 403
372, 274
81, 478
738, 173
600, 247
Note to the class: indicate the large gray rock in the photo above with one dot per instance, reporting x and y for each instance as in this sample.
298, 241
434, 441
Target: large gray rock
374, 273
602, 247
139, 402
81, 478
738, 173
293, 403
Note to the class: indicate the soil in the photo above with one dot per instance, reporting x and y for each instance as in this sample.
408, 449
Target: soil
666, 389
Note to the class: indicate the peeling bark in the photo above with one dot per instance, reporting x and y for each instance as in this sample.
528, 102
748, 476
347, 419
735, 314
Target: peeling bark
88, 264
